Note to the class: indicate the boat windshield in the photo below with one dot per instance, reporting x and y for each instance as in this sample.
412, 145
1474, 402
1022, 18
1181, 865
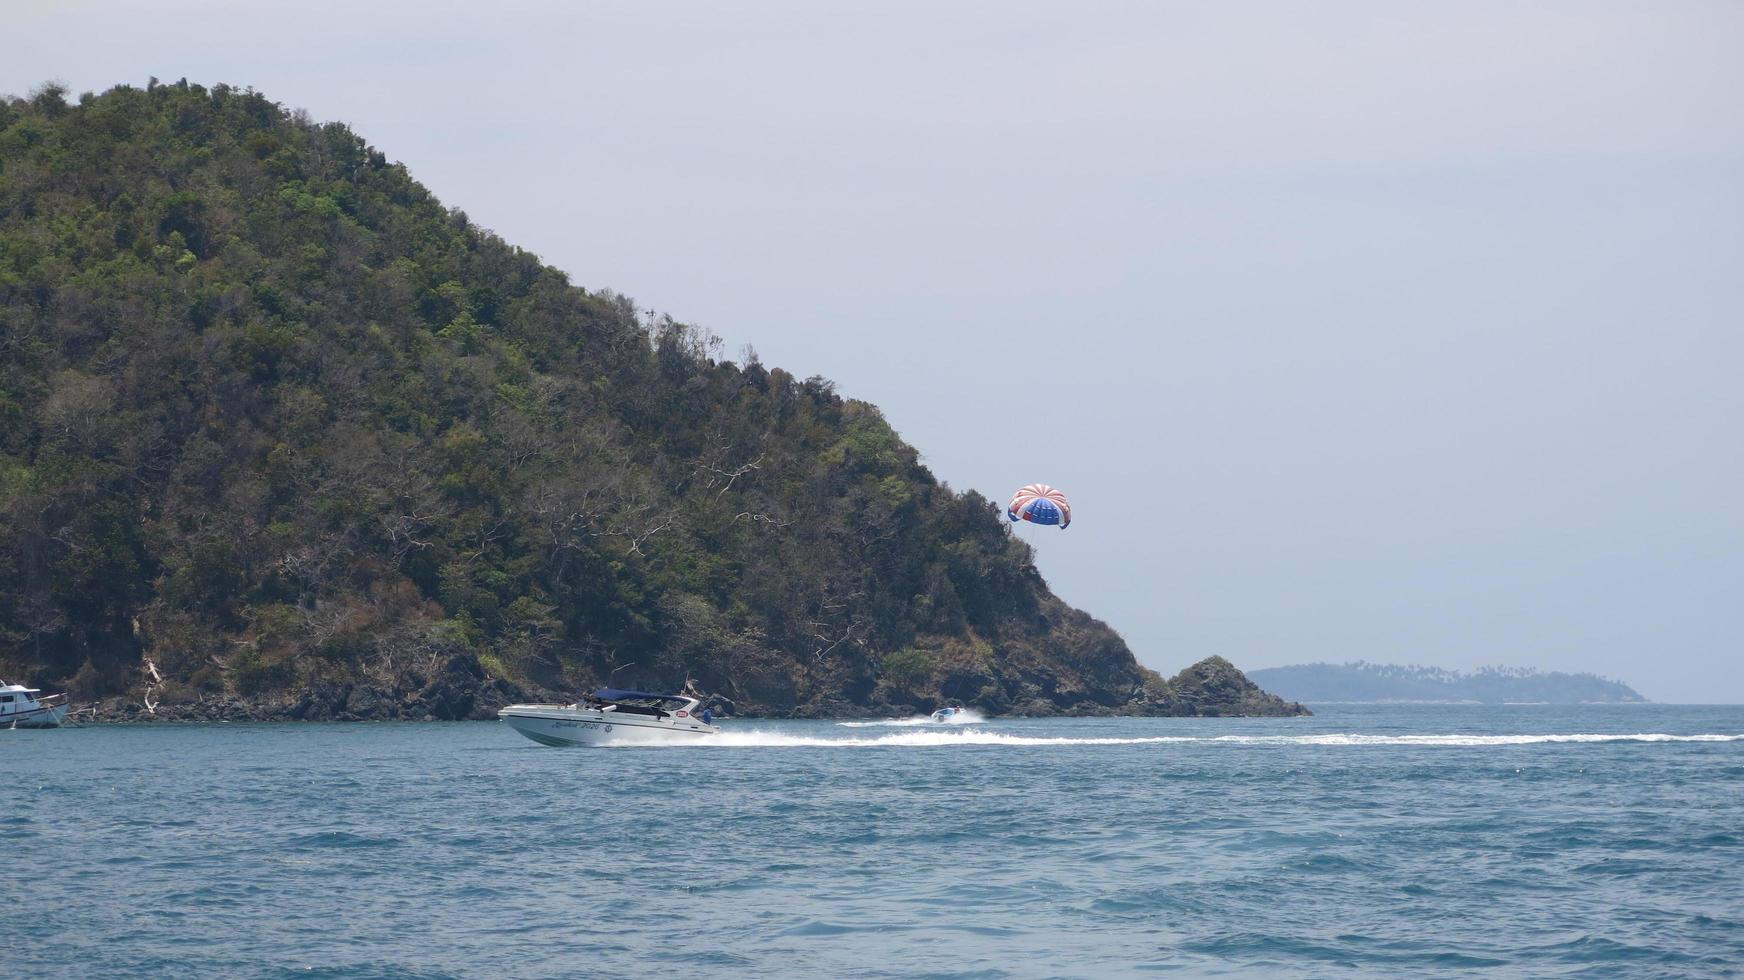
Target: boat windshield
640, 698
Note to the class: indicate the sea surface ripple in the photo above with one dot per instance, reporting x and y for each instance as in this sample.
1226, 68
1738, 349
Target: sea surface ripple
1367, 841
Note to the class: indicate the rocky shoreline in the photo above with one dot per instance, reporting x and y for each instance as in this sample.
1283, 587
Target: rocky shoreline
462, 691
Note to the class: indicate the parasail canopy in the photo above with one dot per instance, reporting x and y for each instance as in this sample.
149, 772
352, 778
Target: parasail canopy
1039, 503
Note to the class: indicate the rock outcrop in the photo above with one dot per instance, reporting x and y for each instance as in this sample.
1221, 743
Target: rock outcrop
1214, 687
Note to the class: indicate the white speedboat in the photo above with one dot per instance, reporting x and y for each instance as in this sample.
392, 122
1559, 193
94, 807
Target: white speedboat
610, 716
947, 713
27, 707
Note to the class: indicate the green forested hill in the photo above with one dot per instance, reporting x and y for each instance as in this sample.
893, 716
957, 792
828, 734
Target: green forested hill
273, 421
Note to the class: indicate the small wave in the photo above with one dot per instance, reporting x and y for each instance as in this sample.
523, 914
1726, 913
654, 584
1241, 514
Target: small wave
343, 839
818, 927
937, 738
968, 716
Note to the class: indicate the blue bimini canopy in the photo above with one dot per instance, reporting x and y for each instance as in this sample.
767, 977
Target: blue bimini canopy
613, 694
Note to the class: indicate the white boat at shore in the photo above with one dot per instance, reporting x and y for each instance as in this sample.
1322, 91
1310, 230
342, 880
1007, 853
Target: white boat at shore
28, 707
615, 717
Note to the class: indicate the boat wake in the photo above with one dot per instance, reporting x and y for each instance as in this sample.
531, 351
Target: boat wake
1481, 740
971, 737
967, 716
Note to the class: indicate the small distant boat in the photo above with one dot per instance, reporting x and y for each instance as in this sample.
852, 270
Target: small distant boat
21, 707
613, 716
947, 713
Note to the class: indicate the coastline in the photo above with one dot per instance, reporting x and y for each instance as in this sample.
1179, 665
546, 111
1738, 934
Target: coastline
230, 710
1211, 688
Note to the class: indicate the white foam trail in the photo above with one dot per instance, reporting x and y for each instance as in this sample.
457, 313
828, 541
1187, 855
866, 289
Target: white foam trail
916, 740
936, 738
968, 716
1480, 740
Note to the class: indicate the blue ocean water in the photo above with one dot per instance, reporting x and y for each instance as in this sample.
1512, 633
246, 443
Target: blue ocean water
1368, 840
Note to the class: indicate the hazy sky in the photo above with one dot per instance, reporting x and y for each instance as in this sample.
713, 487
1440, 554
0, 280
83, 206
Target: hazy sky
1397, 331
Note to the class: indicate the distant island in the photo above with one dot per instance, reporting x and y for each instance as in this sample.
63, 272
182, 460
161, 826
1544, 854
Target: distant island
1390, 682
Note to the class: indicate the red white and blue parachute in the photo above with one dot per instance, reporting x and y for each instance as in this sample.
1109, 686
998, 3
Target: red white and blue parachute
1039, 503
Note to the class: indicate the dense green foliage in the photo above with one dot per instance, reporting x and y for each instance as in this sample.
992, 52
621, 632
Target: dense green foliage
271, 415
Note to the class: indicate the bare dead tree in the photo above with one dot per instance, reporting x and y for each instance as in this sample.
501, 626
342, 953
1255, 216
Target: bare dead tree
755, 518
636, 537
733, 476
403, 531
518, 434
486, 535
721, 474
832, 634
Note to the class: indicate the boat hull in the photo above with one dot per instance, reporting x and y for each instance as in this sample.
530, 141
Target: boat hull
564, 727
45, 717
